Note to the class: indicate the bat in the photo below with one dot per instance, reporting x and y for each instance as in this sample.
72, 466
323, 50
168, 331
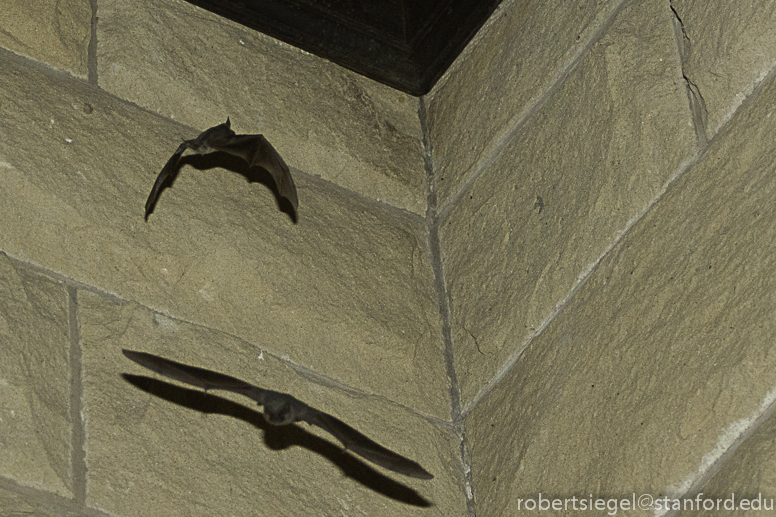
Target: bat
283, 409
255, 150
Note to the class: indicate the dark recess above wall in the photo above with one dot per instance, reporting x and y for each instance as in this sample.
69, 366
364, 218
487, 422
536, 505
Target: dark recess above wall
406, 44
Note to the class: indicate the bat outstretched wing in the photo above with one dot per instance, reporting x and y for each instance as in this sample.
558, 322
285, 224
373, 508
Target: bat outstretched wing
258, 152
356, 442
255, 150
168, 172
199, 377
281, 409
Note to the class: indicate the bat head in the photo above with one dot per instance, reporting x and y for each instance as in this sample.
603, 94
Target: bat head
212, 139
280, 408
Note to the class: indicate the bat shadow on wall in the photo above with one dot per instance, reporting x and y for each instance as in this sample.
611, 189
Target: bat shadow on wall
204, 162
279, 438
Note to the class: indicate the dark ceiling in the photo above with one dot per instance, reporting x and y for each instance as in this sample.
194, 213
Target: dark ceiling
406, 44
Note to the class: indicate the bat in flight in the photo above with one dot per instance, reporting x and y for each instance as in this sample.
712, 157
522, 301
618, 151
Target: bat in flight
283, 409
254, 149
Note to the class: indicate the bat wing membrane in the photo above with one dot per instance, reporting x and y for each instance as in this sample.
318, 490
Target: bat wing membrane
169, 171
365, 447
257, 151
350, 438
199, 377
254, 149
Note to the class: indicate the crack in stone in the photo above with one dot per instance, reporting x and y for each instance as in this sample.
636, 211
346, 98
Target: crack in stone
700, 114
474, 338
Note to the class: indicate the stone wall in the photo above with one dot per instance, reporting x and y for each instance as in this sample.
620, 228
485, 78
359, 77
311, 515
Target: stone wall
606, 179
554, 274
339, 308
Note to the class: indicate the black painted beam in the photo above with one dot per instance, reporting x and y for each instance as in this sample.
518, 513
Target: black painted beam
406, 44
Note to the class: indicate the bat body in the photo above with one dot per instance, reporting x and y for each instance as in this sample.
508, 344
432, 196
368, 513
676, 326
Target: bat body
283, 409
254, 149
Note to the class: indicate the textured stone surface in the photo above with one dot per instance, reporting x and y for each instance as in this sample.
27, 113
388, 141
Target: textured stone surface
169, 450
663, 357
324, 119
34, 380
729, 50
500, 76
30, 504
55, 32
749, 473
657, 367
348, 291
588, 162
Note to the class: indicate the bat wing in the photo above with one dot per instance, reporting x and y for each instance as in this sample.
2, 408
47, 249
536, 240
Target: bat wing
257, 151
168, 173
360, 444
281, 409
199, 377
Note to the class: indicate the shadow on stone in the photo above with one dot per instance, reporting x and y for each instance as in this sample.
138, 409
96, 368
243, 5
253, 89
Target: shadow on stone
204, 162
279, 438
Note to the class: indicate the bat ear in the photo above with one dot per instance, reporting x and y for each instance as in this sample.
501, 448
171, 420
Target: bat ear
228, 124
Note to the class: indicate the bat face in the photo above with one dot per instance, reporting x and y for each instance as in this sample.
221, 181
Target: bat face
283, 409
